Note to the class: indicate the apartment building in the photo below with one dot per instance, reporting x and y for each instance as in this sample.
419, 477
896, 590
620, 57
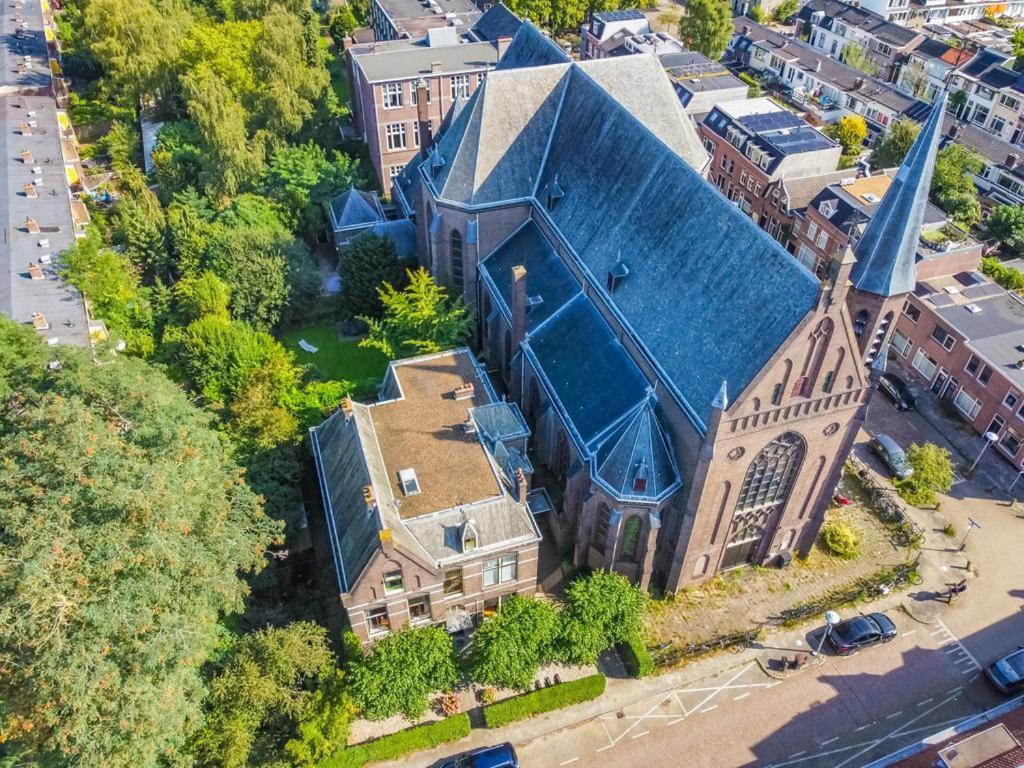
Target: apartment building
607, 31
700, 82
928, 67
754, 144
411, 19
993, 94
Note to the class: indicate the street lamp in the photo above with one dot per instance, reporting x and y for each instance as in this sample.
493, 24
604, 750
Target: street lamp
1019, 473
831, 619
990, 437
971, 525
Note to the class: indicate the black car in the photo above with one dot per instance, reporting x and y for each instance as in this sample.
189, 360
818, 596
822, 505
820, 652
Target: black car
860, 631
501, 756
897, 390
1007, 673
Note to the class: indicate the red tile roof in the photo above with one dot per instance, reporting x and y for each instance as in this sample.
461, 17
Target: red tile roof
1014, 758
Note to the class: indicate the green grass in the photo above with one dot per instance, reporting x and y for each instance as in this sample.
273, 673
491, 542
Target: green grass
338, 358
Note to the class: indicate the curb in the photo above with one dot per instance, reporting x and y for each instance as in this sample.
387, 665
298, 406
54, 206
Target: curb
813, 662
922, 619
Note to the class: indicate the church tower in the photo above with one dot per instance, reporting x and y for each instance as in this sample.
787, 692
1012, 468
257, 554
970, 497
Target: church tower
885, 270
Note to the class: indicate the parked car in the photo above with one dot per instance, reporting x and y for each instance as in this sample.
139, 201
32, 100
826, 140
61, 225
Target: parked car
889, 451
501, 756
861, 631
897, 390
1007, 673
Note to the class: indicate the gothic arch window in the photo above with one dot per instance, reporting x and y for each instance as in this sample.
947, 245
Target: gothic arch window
631, 538
817, 350
487, 305
532, 400
560, 465
701, 566
600, 538
457, 261
507, 360
770, 476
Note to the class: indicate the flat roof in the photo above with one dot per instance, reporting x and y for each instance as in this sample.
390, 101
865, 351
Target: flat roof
20, 294
27, 17
422, 430
416, 17
403, 59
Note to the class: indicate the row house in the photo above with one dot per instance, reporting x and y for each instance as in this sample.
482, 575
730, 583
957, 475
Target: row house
606, 31
700, 82
834, 25
962, 339
813, 81
1001, 179
960, 12
993, 94
754, 144
929, 65
413, 19
427, 498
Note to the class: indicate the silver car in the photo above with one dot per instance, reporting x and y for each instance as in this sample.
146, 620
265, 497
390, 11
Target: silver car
894, 458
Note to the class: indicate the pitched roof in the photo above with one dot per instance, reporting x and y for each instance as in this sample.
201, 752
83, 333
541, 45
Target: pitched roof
497, 21
861, 18
886, 252
636, 461
995, 149
531, 48
355, 208
401, 232
801, 191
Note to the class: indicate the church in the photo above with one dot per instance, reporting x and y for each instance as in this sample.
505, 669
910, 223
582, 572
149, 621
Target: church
693, 389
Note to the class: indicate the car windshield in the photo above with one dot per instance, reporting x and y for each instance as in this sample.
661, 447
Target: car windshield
1012, 667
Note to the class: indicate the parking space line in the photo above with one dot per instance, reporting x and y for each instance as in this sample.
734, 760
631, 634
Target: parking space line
713, 706
908, 634
897, 713
862, 727
638, 735
742, 696
922, 703
677, 720
825, 743
797, 754
570, 760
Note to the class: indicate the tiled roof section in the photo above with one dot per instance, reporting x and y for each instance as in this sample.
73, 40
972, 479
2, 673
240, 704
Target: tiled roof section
587, 370
497, 21
1012, 720
355, 208
990, 146
499, 523
800, 192
690, 252
635, 461
930, 48
402, 233
861, 18
532, 48
403, 59
886, 251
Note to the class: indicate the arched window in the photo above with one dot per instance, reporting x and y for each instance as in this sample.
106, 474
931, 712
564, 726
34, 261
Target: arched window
600, 538
631, 538
532, 400
770, 475
457, 266
560, 465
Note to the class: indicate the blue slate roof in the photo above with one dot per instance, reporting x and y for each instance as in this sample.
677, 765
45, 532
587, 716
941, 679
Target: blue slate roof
531, 48
497, 21
355, 208
402, 233
887, 250
636, 461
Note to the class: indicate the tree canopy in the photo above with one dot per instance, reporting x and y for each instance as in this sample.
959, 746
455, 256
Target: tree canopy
850, 132
509, 648
953, 184
1006, 224
894, 145
707, 27
857, 56
364, 265
601, 611
933, 472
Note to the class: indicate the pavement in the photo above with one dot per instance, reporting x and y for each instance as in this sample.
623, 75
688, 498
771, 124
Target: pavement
837, 712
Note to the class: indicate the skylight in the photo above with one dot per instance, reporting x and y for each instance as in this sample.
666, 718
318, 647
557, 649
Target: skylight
410, 485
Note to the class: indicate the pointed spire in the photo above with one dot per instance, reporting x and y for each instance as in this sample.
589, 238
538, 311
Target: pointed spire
721, 401
887, 250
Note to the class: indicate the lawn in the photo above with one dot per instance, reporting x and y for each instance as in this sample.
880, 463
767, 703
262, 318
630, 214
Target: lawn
337, 357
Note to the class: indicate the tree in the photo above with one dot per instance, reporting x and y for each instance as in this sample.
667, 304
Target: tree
953, 184
417, 320
323, 726
933, 472
915, 78
127, 530
537, 11
707, 27
177, 158
510, 648
227, 49
894, 145
140, 226
341, 23
365, 264
784, 10
263, 692
1006, 224
1018, 50
303, 180
601, 611
850, 132
202, 296
401, 671
757, 14
669, 19
857, 56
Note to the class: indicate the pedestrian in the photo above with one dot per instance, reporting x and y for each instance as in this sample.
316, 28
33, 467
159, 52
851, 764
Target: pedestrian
956, 590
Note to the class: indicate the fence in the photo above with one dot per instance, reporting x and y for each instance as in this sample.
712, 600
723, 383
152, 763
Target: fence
884, 502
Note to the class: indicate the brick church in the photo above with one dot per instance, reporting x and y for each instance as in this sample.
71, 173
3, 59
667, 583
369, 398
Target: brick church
693, 387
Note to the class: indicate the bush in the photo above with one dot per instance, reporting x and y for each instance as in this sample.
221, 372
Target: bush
403, 743
488, 695
544, 700
840, 539
638, 660
449, 704
753, 85
933, 472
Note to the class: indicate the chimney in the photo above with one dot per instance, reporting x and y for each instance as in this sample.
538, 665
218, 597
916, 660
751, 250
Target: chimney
346, 43
32, 226
435, 66
858, 83
30, 190
387, 540
746, 29
817, 66
369, 498
469, 426
518, 306
1012, 160
423, 114
504, 41
346, 408
464, 391
523, 485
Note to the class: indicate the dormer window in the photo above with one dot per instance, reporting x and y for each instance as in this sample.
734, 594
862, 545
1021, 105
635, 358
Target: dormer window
555, 194
410, 485
640, 478
616, 275
828, 208
469, 537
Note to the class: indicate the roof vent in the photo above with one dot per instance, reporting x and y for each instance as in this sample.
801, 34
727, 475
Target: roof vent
555, 193
464, 391
974, 309
616, 275
534, 301
409, 481
469, 426
952, 290
872, 198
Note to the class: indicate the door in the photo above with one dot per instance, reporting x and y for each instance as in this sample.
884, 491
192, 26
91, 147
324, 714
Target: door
740, 553
940, 381
951, 389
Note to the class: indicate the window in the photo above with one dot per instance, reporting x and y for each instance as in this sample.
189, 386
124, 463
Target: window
724, 163
392, 94
967, 404
499, 570
883, 49
985, 375
1010, 442
826, 383
1011, 399
419, 609
480, 77
822, 240
901, 343
1009, 102
395, 133
924, 364
469, 538
812, 231
942, 336
771, 473
800, 387
393, 582
416, 133
631, 537
460, 86
998, 124
743, 178
395, 170
777, 394
415, 96
604, 516
453, 581
457, 262
997, 424
509, 568
972, 365
377, 620
410, 484
980, 115
911, 311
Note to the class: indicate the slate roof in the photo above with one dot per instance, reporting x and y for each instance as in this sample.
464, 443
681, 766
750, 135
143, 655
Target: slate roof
531, 48
638, 450
801, 191
500, 524
402, 233
355, 208
886, 252
867, 21
931, 48
403, 59
497, 21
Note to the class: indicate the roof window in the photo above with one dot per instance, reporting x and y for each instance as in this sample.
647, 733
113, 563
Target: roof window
640, 477
410, 485
555, 193
469, 537
616, 275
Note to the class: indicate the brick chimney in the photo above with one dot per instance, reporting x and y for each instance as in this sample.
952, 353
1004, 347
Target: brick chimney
523, 485
346, 42
504, 41
435, 66
423, 114
518, 306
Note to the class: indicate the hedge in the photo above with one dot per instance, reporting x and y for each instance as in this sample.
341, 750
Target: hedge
402, 743
638, 660
546, 699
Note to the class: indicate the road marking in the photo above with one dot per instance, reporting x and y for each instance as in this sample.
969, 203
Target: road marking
922, 703
963, 660
602, 749
834, 738
713, 706
797, 754
908, 634
638, 735
862, 727
897, 713
952, 691
570, 760
742, 696
677, 720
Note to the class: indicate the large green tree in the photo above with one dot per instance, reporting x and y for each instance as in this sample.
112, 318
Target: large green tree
126, 530
933, 473
894, 145
953, 184
1006, 224
510, 648
304, 180
364, 266
601, 610
850, 132
857, 56
707, 27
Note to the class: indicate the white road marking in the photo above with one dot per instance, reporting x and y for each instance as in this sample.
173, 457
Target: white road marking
922, 703
834, 738
797, 754
677, 720
908, 634
862, 727
742, 696
638, 735
897, 713
570, 760
708, 709
602, 749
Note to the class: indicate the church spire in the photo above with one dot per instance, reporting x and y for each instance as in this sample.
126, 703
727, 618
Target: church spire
887, 250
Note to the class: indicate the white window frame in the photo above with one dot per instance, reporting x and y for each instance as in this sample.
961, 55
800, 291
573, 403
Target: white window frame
392, 95
459, 86
396, 136
924, 365
967, 404
902, 347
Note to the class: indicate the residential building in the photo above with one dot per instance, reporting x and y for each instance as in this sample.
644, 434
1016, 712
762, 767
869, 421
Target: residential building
835, 25
994, 94
825, 87
690, 387
927, 68
390, 79
354, 212
1001, 181
961, 12
427, 497
412, 19
982, 33
606, 32
754, 145
700, 82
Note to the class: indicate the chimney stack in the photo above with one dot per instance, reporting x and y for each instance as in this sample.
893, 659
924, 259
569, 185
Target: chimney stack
504, 41
523, 485
423, 114
518, 306
1012, 160
817, 66
346, 408
435, 66
464, 391
369, 498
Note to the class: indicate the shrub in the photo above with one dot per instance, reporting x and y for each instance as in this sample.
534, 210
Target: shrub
488, 695
449, 704
840, 539
753, 85
638, 660
403, 743
950, 530
933, 472
544, 700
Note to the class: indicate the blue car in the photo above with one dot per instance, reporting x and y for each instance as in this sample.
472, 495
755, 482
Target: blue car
501, 756
1007, 674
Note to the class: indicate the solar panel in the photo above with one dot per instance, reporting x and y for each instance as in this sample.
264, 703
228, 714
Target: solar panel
941, 300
